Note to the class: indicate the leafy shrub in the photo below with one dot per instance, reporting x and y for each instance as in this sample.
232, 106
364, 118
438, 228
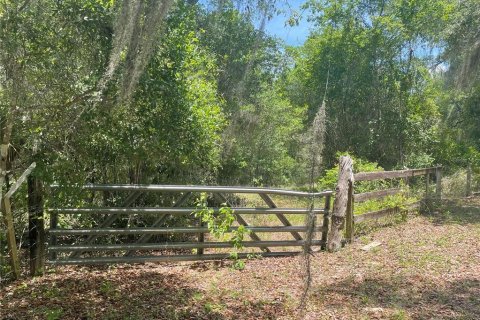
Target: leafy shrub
329, 180
398, 200
219, 224
455, 184
419, 160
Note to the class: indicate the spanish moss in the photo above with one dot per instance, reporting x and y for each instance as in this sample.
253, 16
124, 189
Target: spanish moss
136, 34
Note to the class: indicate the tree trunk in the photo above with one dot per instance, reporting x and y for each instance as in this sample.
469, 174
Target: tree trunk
5, 202
36, 226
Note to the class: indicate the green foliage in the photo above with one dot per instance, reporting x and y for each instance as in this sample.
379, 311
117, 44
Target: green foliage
53, 314
419, 160
399, 200
265, 139
329, 180
238, 264
380, 95
459, 136
169, 132
463, 46
218, 224
261, 138
221, 223
221, 101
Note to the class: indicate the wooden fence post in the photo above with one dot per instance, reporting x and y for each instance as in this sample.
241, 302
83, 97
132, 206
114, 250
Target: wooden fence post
340, 205
438, 188
349, 228
469, 180
53, 238
326, 222
426, 204
36, 226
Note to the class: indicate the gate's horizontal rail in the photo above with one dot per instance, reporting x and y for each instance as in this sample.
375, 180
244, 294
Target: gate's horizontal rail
213, 189
177, 245
180, 210
165, 258
77, 232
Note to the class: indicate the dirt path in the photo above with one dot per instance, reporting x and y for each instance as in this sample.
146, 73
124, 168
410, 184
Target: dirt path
426, 268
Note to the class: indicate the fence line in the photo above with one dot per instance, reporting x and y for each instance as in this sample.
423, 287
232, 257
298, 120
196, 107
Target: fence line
345, 205
343, 220
381, 175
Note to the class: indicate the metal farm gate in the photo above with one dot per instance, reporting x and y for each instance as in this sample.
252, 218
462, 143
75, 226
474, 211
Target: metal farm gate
188, 240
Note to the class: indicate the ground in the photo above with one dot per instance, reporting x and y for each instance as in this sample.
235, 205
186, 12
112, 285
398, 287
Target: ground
425, 268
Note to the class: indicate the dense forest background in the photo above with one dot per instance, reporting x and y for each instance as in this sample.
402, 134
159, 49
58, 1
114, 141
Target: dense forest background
187, 92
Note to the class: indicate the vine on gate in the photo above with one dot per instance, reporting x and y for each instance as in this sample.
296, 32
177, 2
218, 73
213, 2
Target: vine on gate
219, 224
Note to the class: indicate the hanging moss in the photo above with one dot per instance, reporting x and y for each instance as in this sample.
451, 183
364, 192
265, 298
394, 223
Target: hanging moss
136, 34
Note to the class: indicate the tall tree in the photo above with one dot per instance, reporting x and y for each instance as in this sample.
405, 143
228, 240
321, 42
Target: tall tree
380, 98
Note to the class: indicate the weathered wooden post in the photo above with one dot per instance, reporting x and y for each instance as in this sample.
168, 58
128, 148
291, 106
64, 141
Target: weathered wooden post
349, 228
469, 180
36, 226
340, 205
53, 238
426, 204
438, 190
326, 222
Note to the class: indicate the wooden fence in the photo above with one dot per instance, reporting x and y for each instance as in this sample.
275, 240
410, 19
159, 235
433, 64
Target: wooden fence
80, 245
85, 250
381, 194
346, 190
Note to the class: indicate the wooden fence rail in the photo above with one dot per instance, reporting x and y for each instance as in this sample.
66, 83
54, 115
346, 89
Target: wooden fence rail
380, 175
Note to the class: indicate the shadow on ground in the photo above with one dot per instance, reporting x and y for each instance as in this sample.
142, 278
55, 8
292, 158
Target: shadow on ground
458, 211
399, 297
100, 294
